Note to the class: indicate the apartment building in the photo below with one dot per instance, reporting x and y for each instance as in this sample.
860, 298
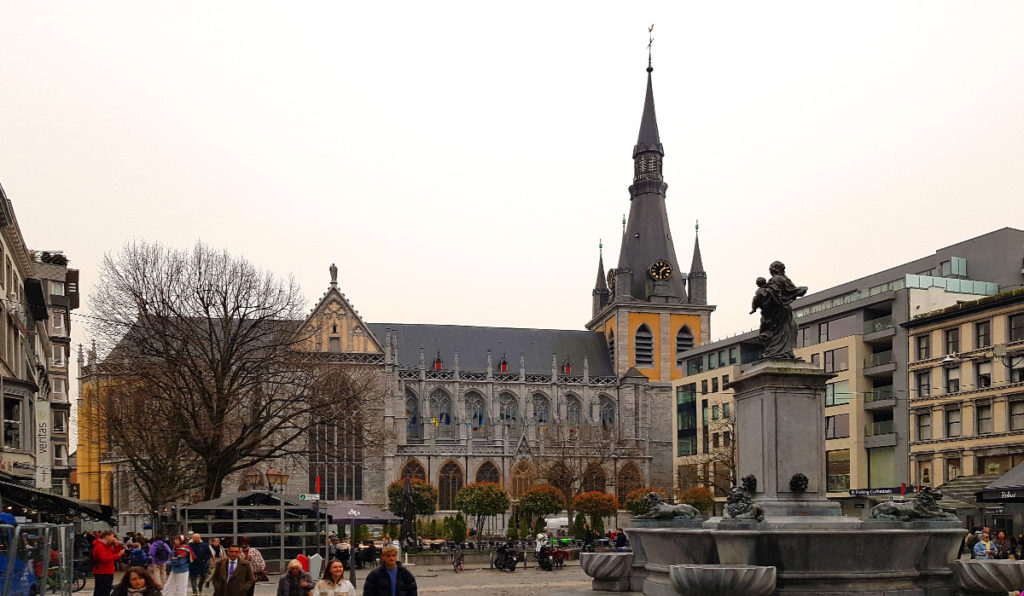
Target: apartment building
966, 376
854, 331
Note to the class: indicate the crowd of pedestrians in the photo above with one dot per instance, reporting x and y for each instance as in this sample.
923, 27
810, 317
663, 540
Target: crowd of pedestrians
981, 543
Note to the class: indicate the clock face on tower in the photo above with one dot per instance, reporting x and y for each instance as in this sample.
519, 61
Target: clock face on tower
660, 270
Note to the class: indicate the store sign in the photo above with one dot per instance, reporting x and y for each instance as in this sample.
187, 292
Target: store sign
1008, 494
891, 490
43, 455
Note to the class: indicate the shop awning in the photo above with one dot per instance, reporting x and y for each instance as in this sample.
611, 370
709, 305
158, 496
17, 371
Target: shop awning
31, 498
1008, 488
347, 512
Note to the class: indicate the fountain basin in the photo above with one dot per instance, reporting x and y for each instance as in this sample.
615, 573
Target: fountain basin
610, 571
989, 576
722, 580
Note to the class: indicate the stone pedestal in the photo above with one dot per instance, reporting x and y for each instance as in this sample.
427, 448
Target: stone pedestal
610, 571
780, 423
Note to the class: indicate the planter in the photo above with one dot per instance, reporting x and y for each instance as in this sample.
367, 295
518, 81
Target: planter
988, 576
609, 570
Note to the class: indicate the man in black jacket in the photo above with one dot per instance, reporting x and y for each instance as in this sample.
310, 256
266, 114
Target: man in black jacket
390, 579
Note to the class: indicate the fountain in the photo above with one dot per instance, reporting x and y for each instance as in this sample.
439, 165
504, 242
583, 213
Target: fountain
780, 534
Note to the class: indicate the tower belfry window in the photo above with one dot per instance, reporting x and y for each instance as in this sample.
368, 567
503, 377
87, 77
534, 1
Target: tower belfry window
611, 347
503, 365
438, 362
684, 342
644, 347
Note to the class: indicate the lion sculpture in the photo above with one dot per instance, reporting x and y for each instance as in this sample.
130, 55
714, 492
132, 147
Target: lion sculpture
924, 506
657, 508
738, 505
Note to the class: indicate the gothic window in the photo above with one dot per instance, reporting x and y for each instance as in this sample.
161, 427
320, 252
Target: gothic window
644, 347
414, 471
508, 413
523, 478
594, 478
684, 342
611, 347
449, 483
441, 413
630, 478
607, 412
476, 415
488, 472
573, 411
413, 428
541, 409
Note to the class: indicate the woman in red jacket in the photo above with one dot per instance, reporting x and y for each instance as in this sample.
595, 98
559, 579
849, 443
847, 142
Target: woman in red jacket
106, 550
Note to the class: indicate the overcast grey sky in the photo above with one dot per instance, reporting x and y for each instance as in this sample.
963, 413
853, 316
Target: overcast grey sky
460, 161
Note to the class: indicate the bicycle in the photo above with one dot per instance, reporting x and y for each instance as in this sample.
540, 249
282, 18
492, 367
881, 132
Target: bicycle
55, 576
457, 559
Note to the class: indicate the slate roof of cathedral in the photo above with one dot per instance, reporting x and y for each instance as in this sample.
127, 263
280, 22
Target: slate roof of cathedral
472, 343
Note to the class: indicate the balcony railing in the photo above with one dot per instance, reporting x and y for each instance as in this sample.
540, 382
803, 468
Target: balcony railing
838, 482
880, 324
878, 359
879, 394
884, 427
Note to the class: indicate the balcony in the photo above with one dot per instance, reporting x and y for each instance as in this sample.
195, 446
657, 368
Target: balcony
880, 398
879, 331
838, 483
880, 434
879, 364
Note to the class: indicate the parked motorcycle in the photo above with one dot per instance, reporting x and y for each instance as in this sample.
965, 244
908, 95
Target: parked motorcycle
505, 557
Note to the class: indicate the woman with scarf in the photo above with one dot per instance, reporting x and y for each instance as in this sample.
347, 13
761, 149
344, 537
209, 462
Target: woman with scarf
296, 582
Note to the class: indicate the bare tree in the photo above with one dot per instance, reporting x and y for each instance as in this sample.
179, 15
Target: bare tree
215, 346
716, 467
573, 457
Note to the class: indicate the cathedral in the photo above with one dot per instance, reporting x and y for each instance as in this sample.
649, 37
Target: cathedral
466, 404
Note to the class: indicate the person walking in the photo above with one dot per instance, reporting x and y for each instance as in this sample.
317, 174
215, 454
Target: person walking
106, 550
159, 554
177, 569
232, 575
259, 566
137, 582
199, 568
296, 581
334, 582
985, 548
1004, 545
217, 553
391, 578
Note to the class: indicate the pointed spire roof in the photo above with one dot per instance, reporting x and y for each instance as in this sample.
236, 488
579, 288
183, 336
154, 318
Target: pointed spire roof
648, 139
697, 265
602, 283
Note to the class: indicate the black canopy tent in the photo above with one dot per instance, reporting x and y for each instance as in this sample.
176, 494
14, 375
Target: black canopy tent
1008, 488
55, 505
352, 513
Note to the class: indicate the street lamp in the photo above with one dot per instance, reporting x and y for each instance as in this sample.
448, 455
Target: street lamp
277, 477
253, 478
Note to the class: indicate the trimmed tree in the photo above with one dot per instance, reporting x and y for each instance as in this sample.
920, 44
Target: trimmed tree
597, 505
482, 499
635, 502
540, 501
579, 530
700, 497
424, 497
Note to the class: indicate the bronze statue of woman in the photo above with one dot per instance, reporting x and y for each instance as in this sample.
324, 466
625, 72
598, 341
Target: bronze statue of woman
778, 326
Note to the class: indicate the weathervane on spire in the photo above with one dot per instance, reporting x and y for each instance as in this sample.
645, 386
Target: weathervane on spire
696, 226
600, 247
623, 224
650, 42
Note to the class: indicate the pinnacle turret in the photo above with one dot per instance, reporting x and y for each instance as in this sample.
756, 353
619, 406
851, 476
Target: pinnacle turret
698, 279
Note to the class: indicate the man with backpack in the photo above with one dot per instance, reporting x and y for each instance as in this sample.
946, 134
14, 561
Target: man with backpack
137, 557
159, 554
199, 568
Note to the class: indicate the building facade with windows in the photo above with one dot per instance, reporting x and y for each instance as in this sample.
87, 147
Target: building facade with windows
855, 332
967, 397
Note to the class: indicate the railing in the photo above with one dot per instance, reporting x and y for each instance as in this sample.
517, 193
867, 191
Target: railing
838, 482
880, 324
884, 427
880, 393
878, 359
506, 377
469, 376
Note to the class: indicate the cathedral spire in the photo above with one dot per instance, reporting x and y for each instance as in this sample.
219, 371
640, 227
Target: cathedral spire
649, 139
600, 293
698, 278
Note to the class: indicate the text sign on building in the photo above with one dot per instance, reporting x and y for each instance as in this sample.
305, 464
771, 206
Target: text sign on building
43, 444
890, 490
309, 497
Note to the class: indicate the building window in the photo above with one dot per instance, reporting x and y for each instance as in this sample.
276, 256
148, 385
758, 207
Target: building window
924, 383
58, 422
725, 381
837, 468
952, 341
924, 426
58, 356
60, 455
476, 416
984, 416
488, 472
725, 410
837, 394
508, 413
837, 427
952, 380
822, 332
953, 423
1017, 415
837, 360
982, 335
441, 414
684, 342
712, 361
816, 359
1016, 369
714, 441
924, 347
334, 345
56, 288
541, 409
732, 355
607, 413
694, 366
59, 328
573, 411
644, 347
714, 385
611, 347
704, 387
12, 421
714, 412
983, 374
1016, 323
449, 483
726, 439
413, 429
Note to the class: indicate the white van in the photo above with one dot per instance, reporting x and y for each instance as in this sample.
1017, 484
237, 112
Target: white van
557, 525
